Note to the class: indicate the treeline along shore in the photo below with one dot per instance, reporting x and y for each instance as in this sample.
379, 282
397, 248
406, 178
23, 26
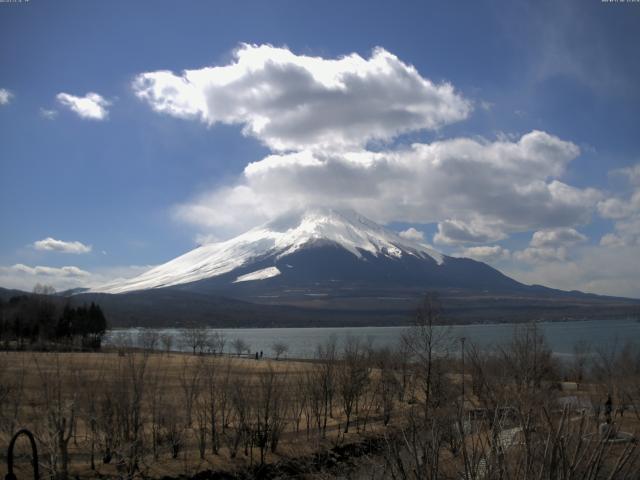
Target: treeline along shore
43, 321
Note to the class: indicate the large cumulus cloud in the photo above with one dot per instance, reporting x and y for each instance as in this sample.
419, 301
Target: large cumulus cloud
478, 190
293, 102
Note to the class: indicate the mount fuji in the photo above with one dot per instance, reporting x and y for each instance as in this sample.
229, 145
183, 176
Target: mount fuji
323, 266
313, 247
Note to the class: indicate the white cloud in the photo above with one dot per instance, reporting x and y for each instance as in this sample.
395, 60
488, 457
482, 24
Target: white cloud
536, 255
557, 237
486, 105
485, 253
483, 189
595, 269
611, 240
51, 244
293, 102
68, 271
452, 232
562, 260
625, 212
627, 232
48, 114
551, 245
615, 208
92, 106
206, 238
412, 234
24, 277
633, 174
5, 96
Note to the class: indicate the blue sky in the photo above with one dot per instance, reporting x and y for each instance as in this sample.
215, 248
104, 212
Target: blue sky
529, 161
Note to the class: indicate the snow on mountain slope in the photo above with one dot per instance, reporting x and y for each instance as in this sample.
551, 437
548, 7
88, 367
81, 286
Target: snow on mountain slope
278, 238
262, 274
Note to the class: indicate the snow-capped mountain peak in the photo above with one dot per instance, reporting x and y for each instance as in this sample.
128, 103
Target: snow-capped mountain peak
277, 239
348, 229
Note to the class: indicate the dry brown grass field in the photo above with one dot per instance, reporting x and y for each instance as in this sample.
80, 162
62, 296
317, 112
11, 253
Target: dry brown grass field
145, 414
82, 379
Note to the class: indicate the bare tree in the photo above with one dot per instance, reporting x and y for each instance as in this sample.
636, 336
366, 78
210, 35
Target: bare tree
167, 342
60, 415
401, 359
387, 384
316, 407
216, 343
121, 340
580, 361
353, 376
195, 339
241, 404
40, 289
628, 383
323, 385
300, 401
90, 396
122, 411
156, 382
426, 343
213, 399
12, 385
190, 378
173, 431
239, 346
269, 411
279, 348
527, 358
203, 411
148, 340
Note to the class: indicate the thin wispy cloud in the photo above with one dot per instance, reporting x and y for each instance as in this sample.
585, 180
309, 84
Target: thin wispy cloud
49, 114
5, 96
486, 253
624, 211
24, 277
68, 271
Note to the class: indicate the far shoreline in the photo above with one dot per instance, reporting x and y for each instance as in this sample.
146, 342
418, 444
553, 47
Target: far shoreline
401, 325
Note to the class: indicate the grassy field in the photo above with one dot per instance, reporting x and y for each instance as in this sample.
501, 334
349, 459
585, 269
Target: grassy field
148, 414
75, 384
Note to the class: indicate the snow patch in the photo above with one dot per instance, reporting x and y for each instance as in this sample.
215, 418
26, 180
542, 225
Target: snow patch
263, 274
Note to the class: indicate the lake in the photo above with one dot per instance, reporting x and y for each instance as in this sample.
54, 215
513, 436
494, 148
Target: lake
302, 342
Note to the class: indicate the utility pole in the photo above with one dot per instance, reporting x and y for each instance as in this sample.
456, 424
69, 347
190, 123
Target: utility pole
462, 339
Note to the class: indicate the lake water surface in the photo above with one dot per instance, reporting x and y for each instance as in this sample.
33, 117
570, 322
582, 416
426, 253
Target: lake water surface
302, 342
